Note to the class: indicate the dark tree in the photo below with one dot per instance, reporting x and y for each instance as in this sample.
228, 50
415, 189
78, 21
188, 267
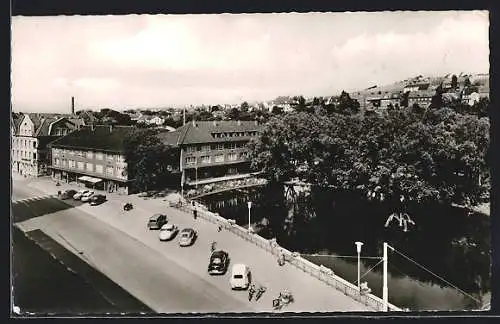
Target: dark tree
149, 160
454, 81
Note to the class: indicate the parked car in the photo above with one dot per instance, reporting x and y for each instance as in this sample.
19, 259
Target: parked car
67, 194
79, 194
187, 237
86, 196
219, 262
168, 232
97, 199
241, 276
157, 221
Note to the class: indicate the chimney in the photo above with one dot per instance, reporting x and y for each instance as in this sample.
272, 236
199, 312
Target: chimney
72, 105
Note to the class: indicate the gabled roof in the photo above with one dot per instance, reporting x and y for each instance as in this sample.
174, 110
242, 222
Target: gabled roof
202, 132
43, 129
100, 138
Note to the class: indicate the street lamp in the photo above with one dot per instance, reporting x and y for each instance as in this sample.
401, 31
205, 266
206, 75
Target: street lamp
249, 204
358, 249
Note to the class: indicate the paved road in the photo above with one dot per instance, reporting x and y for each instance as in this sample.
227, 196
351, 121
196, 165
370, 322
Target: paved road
311, 295
157, 281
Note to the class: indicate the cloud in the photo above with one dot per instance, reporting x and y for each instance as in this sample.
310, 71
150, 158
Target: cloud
183, 59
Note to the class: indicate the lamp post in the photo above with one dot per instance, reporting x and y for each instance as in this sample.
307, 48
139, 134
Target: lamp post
358, 249
249, 204
385, 290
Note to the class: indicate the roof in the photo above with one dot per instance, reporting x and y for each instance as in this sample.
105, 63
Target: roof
100, 137
202, 132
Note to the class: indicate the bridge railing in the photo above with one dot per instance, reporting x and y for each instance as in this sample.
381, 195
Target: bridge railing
320, 272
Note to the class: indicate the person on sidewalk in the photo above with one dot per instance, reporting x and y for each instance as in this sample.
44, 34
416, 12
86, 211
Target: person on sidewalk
195, 211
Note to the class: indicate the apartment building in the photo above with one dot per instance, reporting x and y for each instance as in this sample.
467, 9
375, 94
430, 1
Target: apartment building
212, 151
31, 133
93, 156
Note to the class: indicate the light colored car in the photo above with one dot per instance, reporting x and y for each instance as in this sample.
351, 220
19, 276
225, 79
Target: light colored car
79, 194
187, 237
168, 232
241, 276
86, 196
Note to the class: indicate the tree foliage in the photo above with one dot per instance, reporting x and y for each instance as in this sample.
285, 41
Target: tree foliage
150, 162
434, 156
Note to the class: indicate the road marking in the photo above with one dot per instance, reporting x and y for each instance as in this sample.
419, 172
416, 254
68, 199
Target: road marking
31, 199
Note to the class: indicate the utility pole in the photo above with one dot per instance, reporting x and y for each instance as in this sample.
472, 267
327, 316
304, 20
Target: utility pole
184, 113
385, 290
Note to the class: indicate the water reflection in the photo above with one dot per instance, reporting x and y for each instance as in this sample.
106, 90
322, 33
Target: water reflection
449, 242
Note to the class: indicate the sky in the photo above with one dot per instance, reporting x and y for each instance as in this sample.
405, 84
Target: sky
136, 61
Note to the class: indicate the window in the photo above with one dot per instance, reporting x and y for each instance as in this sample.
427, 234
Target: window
232, 156
34, 156
191, 148
220, 147
243, 155
205, 148
219, 158
90, 155
34, 144
121, 172
99, 156
190, 160
109, 170
81, 165
205, 159
84, 154
120, 158
89, 167
99, 168
231, 146
72, 164
57, 161
110, 157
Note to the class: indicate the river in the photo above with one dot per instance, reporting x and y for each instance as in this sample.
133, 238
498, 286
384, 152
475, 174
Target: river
442, 262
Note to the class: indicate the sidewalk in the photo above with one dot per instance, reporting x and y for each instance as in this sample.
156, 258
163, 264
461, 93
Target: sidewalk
311, 295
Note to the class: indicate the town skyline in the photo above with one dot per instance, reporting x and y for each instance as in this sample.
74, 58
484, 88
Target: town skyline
118, 62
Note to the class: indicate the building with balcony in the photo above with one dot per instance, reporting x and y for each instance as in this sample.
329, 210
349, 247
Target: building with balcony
212, 151
31, 133
93, 156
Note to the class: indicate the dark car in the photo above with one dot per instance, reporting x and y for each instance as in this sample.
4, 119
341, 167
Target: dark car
219, 262
97, 199
157, 221
67, 194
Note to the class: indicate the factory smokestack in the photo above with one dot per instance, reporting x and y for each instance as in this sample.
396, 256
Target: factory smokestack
72, 105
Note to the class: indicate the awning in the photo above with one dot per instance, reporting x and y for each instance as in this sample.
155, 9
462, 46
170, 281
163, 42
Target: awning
94, 180
84, 178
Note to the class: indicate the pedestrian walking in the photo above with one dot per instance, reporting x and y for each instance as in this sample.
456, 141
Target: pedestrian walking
195, 213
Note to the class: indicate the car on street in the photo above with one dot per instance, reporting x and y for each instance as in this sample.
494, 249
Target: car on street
157, 221
241, 277
97, 199
67, 194
219, 262
168, 232
187, 237
79, 194
86, 196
